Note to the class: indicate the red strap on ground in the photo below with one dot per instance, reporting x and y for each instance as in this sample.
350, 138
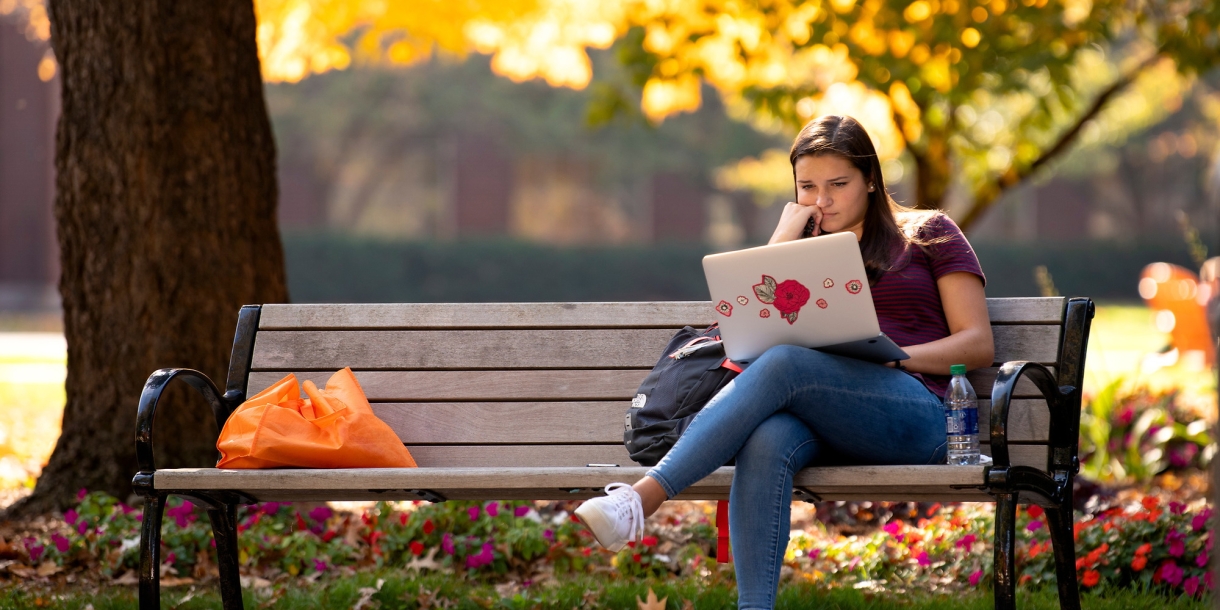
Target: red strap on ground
722, 532
732, 366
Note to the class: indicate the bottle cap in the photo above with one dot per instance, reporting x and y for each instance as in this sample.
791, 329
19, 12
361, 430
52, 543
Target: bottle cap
957, 369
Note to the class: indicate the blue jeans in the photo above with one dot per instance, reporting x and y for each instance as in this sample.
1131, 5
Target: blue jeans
791, 408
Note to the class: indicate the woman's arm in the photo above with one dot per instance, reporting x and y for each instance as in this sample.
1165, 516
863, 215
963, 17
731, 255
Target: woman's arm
969, 341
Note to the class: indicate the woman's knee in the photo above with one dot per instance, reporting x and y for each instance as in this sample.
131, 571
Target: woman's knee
775, 442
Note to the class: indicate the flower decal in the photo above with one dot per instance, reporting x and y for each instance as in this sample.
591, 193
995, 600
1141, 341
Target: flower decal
724, 308
766, 313
829, 283
742, 300
855, 286
822, 303
788, 296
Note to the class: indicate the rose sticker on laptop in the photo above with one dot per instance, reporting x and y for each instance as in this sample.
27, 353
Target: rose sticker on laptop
788, 296
855, 286
724, 308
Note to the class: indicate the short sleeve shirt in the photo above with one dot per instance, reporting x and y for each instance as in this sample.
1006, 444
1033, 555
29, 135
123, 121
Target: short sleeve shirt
907, 298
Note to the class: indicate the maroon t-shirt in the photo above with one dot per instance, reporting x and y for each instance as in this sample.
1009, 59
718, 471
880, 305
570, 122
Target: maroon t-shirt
907, 298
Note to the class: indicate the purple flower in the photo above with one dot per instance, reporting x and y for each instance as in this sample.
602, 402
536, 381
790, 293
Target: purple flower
321, 513
923, 559
1034, 525
80, 495
1201, 560
1200, 520
447, 543
474, 512
521, 511
1191, 586
966, 541
35, 550
484, 557
1171, 573
71, 516
1176, 541
549, 535
82, 527
976, 577
270, 508
320, 565
1177, 508
493, 509
815, 553
61, 543
171, 558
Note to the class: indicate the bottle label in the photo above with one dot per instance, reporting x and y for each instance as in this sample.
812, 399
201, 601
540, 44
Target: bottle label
960, 422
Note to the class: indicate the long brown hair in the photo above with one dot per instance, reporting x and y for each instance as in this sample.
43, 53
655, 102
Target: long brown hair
882, 240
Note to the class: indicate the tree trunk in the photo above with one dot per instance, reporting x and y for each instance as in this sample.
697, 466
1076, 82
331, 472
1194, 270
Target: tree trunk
932, 171
165, 210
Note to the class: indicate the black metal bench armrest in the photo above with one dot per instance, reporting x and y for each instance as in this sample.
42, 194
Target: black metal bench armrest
1001, 397
222, 405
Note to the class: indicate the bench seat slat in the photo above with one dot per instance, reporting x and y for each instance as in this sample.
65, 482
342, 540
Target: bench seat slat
595, 422
529, 349
943, 494
548, 385
1037, 310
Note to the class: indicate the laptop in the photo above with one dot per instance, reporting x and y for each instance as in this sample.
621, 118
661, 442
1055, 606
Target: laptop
809, 292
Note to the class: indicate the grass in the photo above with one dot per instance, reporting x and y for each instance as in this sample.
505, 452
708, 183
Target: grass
438, 591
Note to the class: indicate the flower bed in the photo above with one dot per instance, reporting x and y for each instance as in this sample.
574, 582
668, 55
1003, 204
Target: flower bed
1136, 541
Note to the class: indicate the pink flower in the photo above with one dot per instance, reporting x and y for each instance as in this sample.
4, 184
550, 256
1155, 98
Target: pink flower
320, 514
320, 565
521, 511
1201, 560
170, 559
447, 543
966, 541
976, 577
493, 509
61, 543
71, 516
892, 528
270, 507
485, 557
1176, 542
549, 535
815, 553
82, 527
923, 559
1200, 520
1177, 508
80, 495
34, 549
474, 512
1191, 585
1171, 573
1034, 526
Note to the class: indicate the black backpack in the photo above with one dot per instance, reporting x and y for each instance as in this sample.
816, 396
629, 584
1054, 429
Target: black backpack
691, 371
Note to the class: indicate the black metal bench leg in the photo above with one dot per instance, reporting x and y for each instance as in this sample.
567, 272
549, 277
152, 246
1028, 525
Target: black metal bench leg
1064, 540
224, 532
150, 552
1005, 551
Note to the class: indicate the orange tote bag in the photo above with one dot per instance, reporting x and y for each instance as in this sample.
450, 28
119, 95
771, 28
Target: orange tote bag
334, 428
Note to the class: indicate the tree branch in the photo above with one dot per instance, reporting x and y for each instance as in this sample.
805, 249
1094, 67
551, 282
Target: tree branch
988, 194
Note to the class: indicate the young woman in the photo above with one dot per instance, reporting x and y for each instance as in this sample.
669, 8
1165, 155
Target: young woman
794, 407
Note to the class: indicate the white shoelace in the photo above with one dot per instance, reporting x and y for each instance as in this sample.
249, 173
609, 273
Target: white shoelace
627, 503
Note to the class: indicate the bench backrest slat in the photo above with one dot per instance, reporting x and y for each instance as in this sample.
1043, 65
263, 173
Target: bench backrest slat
538, 384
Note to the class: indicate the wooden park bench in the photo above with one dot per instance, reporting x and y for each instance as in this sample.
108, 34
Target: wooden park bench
516, 401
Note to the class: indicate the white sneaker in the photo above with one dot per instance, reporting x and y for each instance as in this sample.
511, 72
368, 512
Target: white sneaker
614, 518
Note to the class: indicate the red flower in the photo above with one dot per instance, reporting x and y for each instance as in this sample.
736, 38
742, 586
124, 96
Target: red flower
649, 541
1034, 511
428, 527
1144, 549
790, 297
1091, 578
766, 313
328, 536
402, 518
417, 547
1139, 563
1150, 502
724, 308
635, 558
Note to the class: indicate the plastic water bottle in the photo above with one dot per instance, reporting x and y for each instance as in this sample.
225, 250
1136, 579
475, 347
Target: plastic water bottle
961, 419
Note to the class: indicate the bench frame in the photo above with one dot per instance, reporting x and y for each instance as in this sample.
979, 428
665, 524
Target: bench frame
1008, 484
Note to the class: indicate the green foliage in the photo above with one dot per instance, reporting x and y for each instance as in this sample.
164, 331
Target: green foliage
1134, 435
329, 268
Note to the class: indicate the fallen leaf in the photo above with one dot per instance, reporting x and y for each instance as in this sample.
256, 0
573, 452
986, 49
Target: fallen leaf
652, 603
174, 581
688, 605
254, 582
127, 578
48, 568
427, 562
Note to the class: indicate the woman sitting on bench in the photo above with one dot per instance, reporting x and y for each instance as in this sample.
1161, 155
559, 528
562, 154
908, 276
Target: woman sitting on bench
796, 407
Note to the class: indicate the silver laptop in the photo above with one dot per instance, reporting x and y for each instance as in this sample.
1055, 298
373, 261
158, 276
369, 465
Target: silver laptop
810, 292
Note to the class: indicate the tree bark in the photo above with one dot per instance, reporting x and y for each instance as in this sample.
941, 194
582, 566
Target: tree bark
165, 210
932, 171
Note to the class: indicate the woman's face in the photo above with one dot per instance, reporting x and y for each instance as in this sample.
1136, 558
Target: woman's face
835, 185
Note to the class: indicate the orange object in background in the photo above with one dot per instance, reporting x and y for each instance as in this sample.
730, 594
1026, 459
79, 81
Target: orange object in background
1179, 301
333, 428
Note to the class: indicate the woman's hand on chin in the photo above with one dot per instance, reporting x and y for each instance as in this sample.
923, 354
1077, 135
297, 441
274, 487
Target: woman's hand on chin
794, 219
